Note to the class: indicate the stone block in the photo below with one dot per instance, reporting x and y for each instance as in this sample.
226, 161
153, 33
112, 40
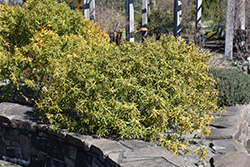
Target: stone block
106, 147
2, 144
82, 164
6, 133
152, 152
97, 163
55, 134
5, 107
55, 153
57, 144
226, 127
237, 109
135, 144
219, 134
37, 163
42, 156
248, 146
20, 117
13, 152
241, 136
82, 141
58, 134
231, 160
71, 151
7, 142
25, 147
58, 163
68, 161
39, 143
227, 121
82, 159
114, 158
49, 162
228, 146
33, 152
2, 151
24, 125
152, 162
13, 134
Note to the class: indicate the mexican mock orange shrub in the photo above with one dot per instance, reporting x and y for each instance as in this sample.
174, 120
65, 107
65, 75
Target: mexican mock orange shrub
21, 26
155, 91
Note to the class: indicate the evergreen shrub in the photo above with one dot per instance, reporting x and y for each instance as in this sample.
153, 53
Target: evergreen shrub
233, 85
155, 91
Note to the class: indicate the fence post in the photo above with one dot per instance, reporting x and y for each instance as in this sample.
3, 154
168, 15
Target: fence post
86, 8
198, 14
229, 29
130, 20
144, 19
92, 10
177, 18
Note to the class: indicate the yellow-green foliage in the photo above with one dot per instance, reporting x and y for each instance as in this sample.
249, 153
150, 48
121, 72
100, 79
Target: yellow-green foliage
153, 91
22, 28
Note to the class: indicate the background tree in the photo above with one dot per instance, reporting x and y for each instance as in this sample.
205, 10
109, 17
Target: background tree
160, 18
214, 12
247, 15
110, 16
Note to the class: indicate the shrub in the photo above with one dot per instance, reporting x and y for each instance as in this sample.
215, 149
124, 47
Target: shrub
22, 27
233, 86
136, 91
153, 91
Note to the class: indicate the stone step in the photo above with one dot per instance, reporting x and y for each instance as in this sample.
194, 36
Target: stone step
231, 160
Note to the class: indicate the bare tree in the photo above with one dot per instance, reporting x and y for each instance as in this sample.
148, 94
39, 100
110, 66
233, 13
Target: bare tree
247, 16
110, 16
241, 34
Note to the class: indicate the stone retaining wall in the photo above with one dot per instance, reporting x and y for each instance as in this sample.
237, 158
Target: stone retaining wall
24, 141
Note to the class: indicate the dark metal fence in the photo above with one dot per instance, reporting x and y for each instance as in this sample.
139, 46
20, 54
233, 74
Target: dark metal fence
115, 36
